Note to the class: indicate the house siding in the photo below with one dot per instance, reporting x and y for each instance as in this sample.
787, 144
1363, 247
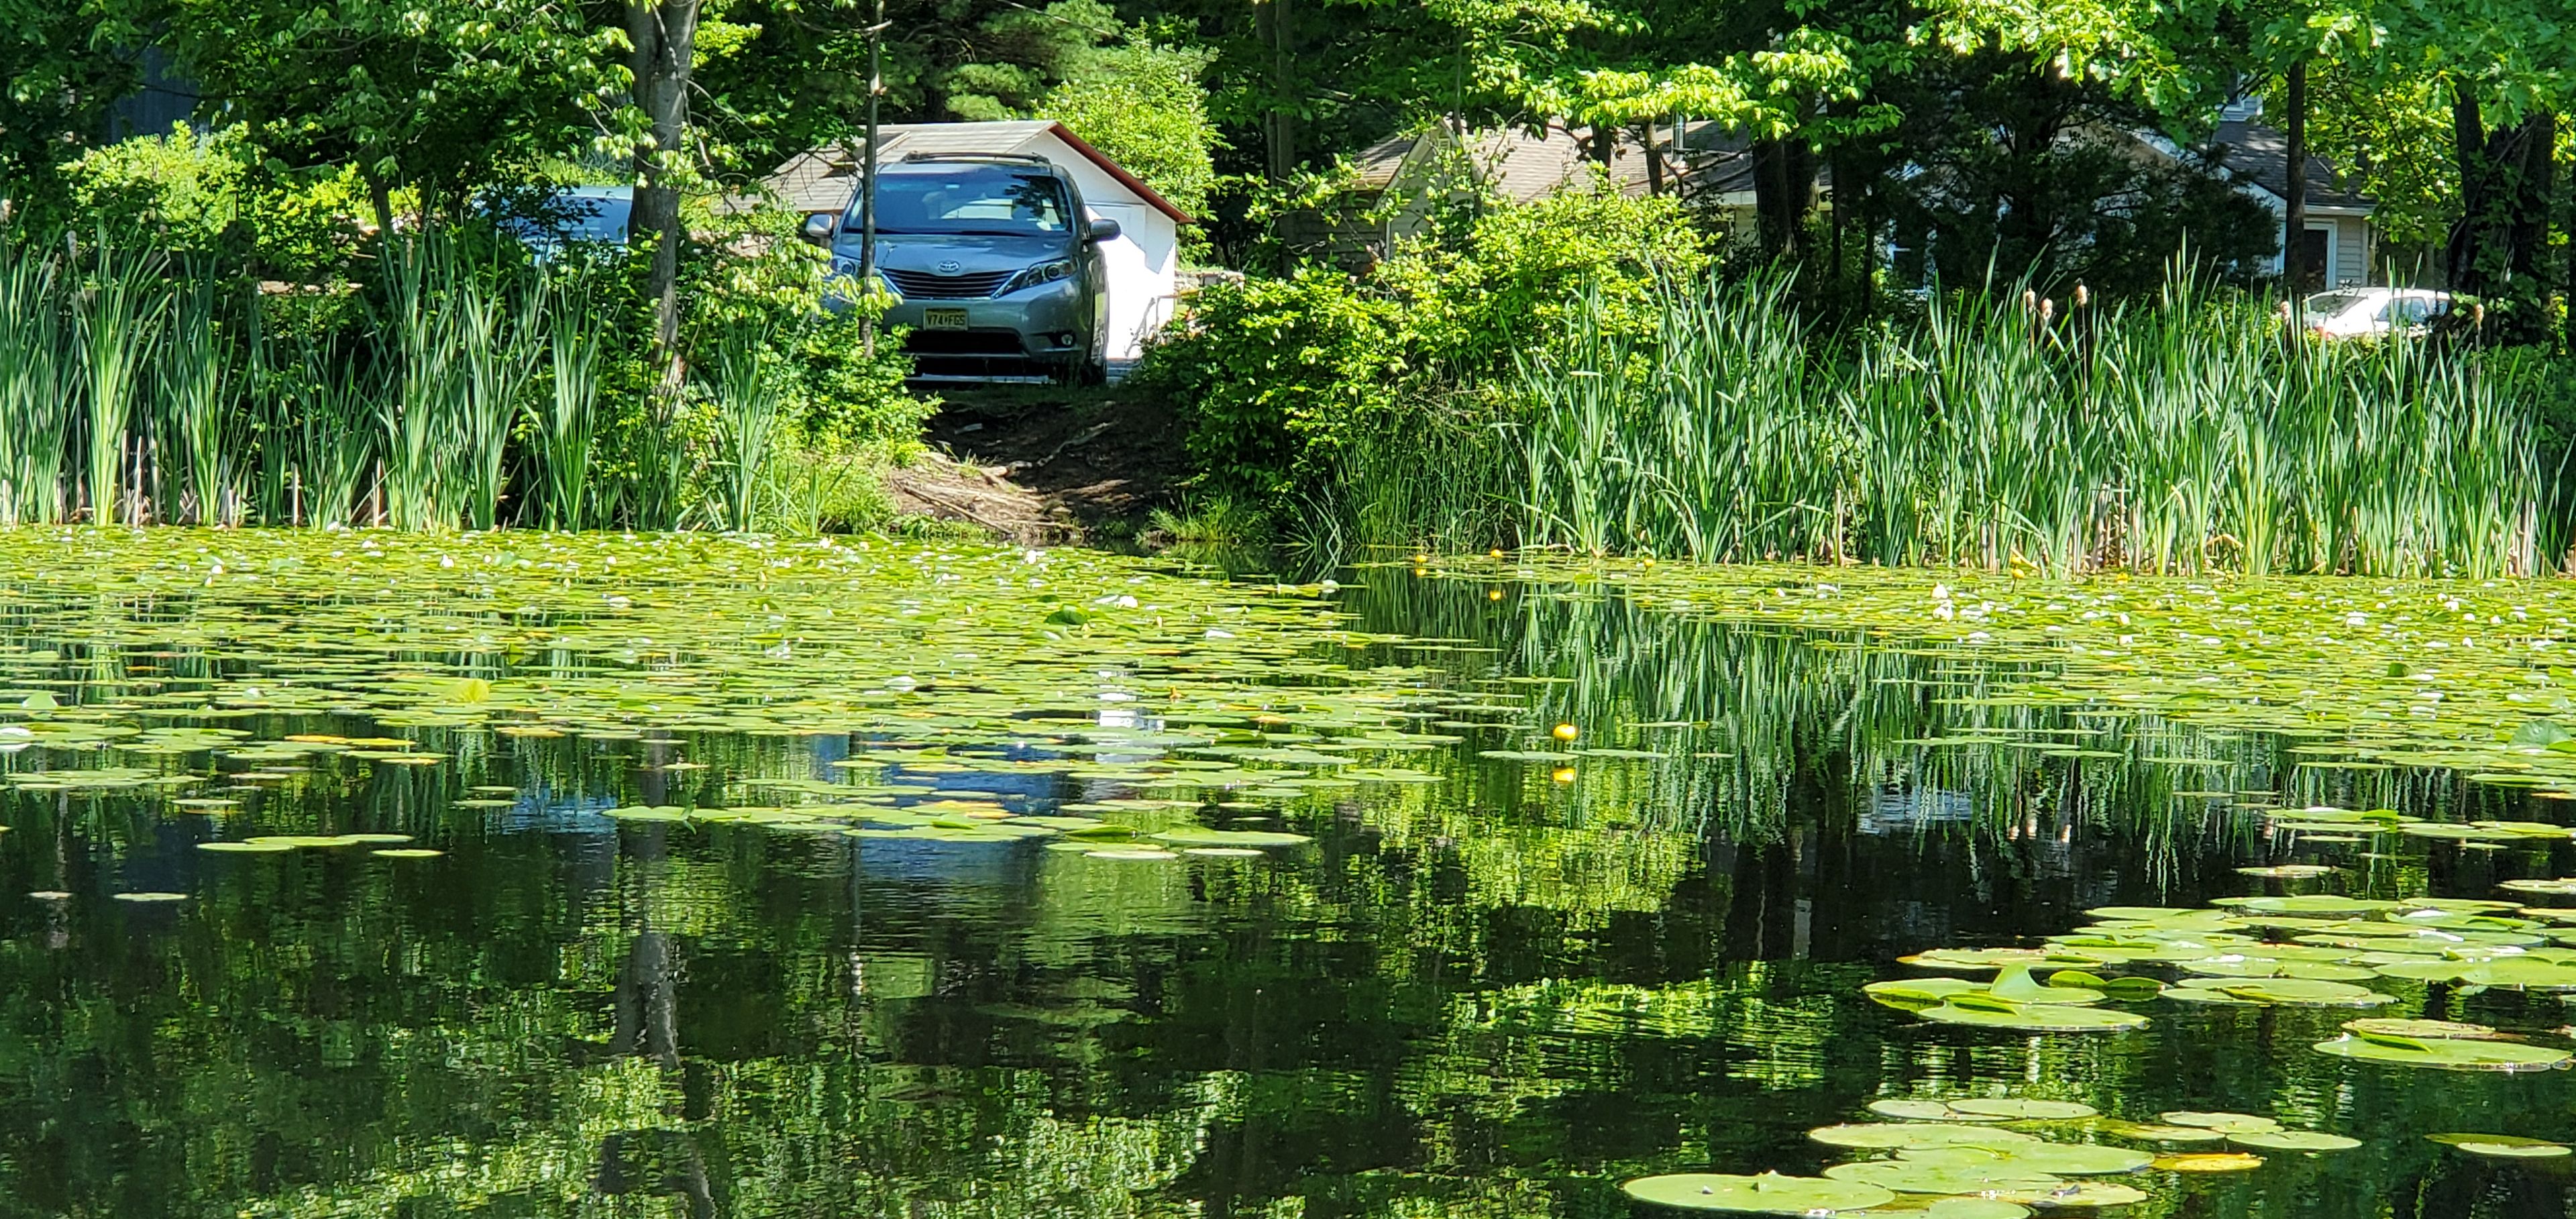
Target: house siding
2352, 250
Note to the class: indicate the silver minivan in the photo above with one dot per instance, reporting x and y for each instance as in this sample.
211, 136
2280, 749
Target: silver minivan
991, 260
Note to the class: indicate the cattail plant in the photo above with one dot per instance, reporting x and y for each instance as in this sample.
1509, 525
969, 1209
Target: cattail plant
564, 421
119, 316
196, 422
36, 406
748, 406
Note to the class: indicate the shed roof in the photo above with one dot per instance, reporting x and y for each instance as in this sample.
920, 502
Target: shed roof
824, 179
1520, 164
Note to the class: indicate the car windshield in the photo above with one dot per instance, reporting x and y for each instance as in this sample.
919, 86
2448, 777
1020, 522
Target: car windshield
596, 219
2333, 304
999, 202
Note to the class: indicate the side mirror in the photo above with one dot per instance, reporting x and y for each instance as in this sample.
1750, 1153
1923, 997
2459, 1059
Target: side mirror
819, 228
1100, 231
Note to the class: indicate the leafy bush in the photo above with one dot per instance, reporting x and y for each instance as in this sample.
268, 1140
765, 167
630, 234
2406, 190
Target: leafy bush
1277, 378
1142, 104
212, 195
750, 273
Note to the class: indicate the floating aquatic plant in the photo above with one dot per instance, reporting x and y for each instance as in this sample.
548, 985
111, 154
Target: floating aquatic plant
1769, 1193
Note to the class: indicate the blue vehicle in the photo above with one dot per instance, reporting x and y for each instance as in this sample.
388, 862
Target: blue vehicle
991, 260
592, 218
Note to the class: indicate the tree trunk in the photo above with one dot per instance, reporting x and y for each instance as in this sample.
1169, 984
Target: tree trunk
1654, 162
2534, 189
380, 196
2469, 145
1280, 125
665, 34
1784, 193
2294, 198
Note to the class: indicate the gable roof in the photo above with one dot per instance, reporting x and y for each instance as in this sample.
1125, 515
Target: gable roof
2260, 155
824, 179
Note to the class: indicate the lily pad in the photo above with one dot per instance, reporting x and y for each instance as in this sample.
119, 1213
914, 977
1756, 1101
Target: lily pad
2152, 1132
2402, 1026
2023, 1110
2503, 1146
1884, 1136
2032, 1017
2294, 1140
2218, 1161
1197, 836
1768, 1194
2075, 1194
1922, 1177
1974, 1208
2445, 1053
2224, 1123
1921, 1111
2055, 1159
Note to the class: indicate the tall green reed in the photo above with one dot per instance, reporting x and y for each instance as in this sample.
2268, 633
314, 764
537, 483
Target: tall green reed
748, 408
119, 318
196, 414
329, 433
36, 388
2182, 434
564, 422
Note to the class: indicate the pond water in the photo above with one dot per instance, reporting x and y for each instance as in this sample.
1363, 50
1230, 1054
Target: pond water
697, 877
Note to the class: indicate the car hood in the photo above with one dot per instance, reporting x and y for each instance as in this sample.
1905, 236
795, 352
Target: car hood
932, 251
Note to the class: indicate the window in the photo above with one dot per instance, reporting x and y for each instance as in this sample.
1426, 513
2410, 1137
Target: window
995, 202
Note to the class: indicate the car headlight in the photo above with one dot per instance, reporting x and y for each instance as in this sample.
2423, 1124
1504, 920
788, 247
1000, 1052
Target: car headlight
1043, 273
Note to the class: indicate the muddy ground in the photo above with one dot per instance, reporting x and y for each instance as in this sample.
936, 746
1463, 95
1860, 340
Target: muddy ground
1046, 465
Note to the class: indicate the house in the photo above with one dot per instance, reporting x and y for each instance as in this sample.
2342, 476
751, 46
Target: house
1405, 182
1143, 260
2341, 244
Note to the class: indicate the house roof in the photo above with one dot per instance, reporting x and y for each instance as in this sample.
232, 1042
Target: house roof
1517, 163
825, 179
2260, 155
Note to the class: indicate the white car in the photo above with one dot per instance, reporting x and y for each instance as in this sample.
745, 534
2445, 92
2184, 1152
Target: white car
2353, 313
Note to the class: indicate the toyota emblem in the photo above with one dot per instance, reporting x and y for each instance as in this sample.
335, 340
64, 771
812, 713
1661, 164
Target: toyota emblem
951, 267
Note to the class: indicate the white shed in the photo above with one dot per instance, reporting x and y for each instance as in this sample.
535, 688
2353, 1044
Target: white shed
1144, 261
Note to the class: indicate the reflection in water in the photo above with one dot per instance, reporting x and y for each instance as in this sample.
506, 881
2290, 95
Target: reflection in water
1493, 994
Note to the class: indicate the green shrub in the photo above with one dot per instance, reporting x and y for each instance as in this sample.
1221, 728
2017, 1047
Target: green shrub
212, 195
1277, 379
1142, 104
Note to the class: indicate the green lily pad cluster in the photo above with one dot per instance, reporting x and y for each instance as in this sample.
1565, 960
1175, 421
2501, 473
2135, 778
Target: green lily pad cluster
1990, 1151
2317, 659
211, 656
2017, 1001
949, 820
2365, 824
2445, 1044
2297, 951
274, 844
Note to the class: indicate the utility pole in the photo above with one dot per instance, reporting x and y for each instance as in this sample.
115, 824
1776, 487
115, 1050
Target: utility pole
868, 172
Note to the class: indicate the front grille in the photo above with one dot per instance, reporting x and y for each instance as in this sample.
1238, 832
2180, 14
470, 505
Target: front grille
965, 342
930, 285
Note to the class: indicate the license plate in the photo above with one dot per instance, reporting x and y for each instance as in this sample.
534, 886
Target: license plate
943, 319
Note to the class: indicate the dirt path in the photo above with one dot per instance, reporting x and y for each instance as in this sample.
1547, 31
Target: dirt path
1046, 465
